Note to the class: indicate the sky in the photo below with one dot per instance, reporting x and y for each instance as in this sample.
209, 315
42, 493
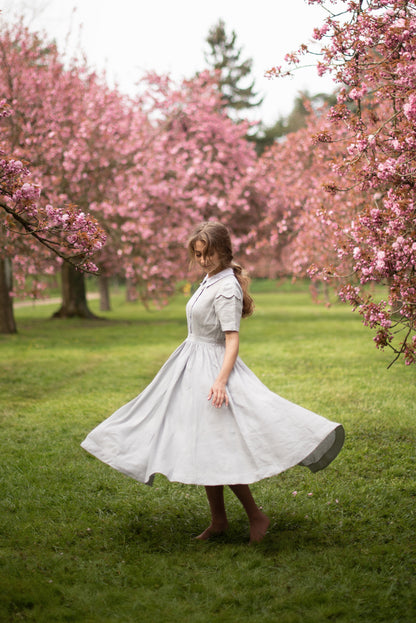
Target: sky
129, 37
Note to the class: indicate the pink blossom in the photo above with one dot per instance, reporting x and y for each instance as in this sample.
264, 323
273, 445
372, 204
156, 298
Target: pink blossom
358, 93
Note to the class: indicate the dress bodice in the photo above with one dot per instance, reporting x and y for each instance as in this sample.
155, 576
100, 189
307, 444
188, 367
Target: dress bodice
215, 307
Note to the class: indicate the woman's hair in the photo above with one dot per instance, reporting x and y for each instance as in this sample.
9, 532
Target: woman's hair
216, 238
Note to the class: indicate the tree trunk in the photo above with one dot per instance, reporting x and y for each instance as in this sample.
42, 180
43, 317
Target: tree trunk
7, 322
131, 293
74, 298
104, 293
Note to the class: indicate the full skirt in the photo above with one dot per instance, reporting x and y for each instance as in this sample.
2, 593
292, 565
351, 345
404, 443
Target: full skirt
171, 428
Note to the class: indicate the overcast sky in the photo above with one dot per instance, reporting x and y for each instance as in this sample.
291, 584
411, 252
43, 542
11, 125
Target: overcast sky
128, 37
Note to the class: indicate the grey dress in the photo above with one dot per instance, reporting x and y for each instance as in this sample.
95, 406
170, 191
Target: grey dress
171, 428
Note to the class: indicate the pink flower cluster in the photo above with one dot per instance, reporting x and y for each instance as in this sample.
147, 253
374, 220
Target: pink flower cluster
409, 108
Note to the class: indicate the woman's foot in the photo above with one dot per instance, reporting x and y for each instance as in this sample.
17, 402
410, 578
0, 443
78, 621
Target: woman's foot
213, 530
258, 527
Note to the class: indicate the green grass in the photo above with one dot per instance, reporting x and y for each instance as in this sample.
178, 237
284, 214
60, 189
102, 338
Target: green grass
81, 542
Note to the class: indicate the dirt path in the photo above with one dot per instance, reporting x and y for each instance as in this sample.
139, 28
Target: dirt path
54, 300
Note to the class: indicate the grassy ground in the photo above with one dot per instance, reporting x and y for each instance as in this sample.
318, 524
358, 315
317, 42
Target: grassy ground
81, 542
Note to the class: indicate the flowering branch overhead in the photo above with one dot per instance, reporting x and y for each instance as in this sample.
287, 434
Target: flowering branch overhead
366, 145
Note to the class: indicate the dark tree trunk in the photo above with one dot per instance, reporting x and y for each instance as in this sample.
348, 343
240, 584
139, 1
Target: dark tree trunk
104, 293
7, 322
74, 298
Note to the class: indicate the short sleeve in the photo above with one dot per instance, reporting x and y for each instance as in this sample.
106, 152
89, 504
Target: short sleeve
228, 305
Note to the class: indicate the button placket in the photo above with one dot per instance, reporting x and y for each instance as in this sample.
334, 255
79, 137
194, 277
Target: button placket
201, 288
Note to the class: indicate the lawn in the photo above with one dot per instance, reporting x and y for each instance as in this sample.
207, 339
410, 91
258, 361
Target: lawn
81, 542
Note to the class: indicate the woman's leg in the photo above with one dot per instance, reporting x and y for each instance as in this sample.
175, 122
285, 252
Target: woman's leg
219, 522
259, 522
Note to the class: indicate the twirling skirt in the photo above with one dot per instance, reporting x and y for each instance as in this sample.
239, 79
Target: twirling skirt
171, 428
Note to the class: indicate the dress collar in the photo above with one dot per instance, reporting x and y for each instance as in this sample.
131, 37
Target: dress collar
208, 281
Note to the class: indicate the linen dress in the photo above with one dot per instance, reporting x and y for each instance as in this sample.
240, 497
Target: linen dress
171, 428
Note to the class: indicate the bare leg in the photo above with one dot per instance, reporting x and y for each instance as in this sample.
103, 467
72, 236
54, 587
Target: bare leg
219, 523
259, 522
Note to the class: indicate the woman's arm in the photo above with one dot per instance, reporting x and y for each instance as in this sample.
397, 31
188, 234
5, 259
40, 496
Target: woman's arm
217, 391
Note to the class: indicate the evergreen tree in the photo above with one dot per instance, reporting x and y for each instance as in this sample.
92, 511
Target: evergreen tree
225, 56
267, 135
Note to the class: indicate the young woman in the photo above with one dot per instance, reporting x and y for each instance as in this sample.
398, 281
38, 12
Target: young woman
206, 419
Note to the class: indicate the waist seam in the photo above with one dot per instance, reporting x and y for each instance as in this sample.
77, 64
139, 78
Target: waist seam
204, 340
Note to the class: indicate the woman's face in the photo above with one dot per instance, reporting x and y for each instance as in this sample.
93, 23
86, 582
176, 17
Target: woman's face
210, 263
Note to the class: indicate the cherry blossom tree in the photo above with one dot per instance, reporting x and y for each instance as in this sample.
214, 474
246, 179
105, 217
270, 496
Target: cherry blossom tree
191, 165
27, 223
368, 211
296, 232
72, 129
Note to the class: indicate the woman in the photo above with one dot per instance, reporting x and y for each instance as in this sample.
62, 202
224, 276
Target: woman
205, 418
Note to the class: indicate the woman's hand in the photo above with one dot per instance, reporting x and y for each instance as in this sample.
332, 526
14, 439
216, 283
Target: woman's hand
218, 394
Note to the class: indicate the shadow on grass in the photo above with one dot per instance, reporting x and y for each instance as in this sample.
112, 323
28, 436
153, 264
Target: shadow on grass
176, 532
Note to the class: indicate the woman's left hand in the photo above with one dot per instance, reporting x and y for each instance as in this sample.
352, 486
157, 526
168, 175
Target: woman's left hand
218, 395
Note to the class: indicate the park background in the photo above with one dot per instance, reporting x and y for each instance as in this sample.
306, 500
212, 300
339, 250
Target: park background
100, 178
